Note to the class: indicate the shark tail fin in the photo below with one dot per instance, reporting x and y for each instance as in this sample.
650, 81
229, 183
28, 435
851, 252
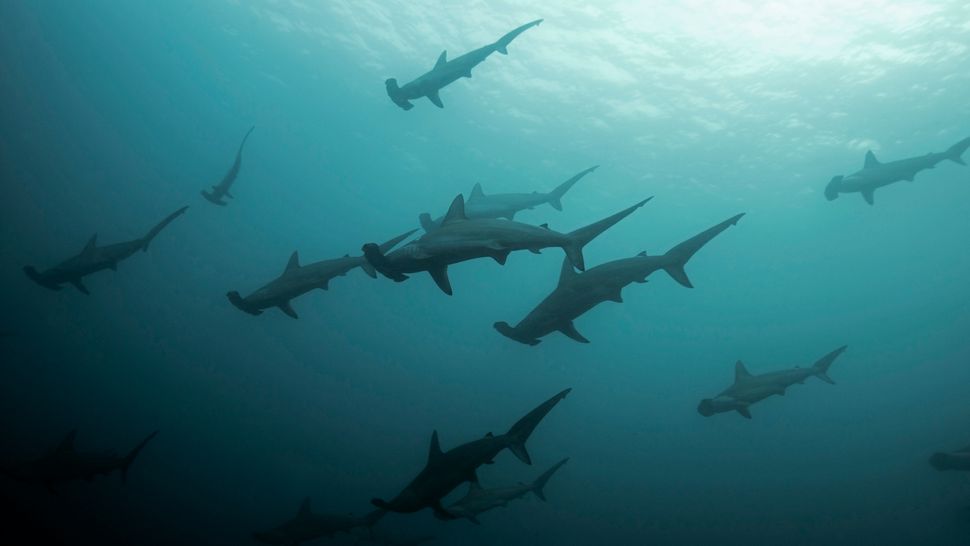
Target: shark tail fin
579, 238
130, 458
427, 224
147, 239
555, 195
677, 257
822, 366
35, 276
540, 483
832, 189
522, 429
955, 152
503, 43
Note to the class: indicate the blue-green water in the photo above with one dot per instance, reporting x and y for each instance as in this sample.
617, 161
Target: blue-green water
116, 113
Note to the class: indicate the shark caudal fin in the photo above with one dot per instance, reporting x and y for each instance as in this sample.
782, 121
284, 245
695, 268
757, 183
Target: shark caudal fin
821, 367
130, 458
579, 238
955, 152
540, 483
503, 43
832, 188
677, 257
397, 97
555, 195
522, 429
161, 225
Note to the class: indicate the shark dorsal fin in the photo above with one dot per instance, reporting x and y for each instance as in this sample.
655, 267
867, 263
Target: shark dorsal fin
294, 261
304, 511
871, 161
644, 253
477, 192
456, 212
91, 244
67, 444
567, 271
740, 372
442, 59
434, 450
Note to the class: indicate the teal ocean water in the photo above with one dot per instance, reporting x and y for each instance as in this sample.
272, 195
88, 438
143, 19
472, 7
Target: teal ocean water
117, 113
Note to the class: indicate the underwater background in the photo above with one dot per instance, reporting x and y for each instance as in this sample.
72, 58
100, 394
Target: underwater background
116, 113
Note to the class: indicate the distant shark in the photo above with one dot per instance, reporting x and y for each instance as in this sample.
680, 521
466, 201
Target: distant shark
577, 293
446, 72
65, 464
479, 500
875, 174
505, 205
748, 389
460, 239
297, 280
94, 258
954, 460
306, 526
221, 189
445, 471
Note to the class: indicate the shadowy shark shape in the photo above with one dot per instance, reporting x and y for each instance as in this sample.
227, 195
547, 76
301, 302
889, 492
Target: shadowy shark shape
297, 280
65, 464
505, 205
445, 471
221, 189
94, 258
953, 460
460, 239
306, 526
748, 389
479, 500
446, 72
875, 174
577, 293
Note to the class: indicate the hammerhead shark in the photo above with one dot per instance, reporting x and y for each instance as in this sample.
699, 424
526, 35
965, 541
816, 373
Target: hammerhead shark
479, 500
505, 205
577, 293
221, 189
748, 389
445, 471
460, 239
875, 174
65, 464
94, 258
446, 72
953, 460
306, 526
297, 280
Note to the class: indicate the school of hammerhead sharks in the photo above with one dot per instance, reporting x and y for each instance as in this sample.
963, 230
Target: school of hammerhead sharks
482, 226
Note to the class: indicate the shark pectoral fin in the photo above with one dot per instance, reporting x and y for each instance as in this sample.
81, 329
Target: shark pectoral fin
229, 195
780, 391
743, 410
616, 296
869, 196
435, 99
570, 331
80, 286
440, 276
501, 257
113, 266
325, 285
288, 309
